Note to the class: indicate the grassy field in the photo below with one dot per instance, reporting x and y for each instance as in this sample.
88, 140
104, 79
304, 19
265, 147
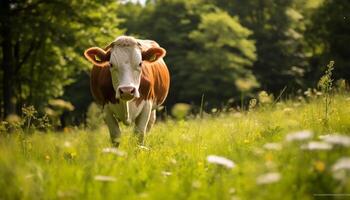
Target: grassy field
283, 151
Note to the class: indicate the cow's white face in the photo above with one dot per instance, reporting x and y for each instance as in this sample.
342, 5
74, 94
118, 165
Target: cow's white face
124, 58
125, 68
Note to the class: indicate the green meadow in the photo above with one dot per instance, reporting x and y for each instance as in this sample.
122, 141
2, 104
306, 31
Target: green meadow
283, 150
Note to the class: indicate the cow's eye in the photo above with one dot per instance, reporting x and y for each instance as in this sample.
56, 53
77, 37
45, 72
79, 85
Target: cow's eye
140, 64
110, 64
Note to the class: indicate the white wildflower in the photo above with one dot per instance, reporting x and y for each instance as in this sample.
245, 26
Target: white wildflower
220, 161
340, 168
166, 173
232, 190
105, 178
314, 145
268, 178
196, 184
67, 144
273, 146
342, 164
143, 147
113, 150
337, 139
299, 136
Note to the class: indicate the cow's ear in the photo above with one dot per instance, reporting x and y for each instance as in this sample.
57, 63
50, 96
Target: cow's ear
153, 54
98, 56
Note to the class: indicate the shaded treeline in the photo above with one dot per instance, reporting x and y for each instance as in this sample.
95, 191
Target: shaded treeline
218, 49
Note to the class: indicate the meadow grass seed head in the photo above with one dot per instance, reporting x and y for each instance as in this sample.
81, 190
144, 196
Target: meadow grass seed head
113, 150
315, 145
166, 173
143, 147
103, 178
273, 146
268, 178
219, 160
299, 136
287, 111
196, 184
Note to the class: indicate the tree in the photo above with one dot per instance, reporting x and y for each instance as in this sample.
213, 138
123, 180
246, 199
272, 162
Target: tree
329, 37
220, 63
206, 47
278, 31
42, 45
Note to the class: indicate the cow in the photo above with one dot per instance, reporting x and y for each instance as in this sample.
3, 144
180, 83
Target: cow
130, 80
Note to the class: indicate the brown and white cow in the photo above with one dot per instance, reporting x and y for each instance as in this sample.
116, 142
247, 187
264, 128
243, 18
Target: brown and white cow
130, 80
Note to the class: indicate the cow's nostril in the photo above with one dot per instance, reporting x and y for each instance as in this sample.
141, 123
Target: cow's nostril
127, 90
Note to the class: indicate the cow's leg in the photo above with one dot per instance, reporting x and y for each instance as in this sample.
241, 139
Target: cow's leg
113, 127
152, 119
142, 121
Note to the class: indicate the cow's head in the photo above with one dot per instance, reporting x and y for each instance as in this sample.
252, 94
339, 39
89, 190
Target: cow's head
125, 59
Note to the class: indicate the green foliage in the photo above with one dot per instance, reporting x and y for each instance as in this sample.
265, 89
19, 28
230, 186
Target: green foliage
29, 122
94, 117
180, 110
329, 36
208, 49
325, 84
225, 53
278, 28
48, 40
270, 162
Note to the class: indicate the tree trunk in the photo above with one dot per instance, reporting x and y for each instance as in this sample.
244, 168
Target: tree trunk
7, 59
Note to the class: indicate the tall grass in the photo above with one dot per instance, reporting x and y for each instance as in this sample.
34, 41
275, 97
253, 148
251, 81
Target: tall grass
79, 164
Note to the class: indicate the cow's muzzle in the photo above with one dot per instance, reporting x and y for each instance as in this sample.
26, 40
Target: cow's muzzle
127, 93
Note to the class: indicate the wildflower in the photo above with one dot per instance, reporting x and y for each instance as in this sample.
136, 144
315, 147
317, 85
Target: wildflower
113, 150
299, 136
342, 164
143, 147
67, 144
166, 173
232, 190
337, 139
273, 146
319, 166
269, 156
105, 178
246, 141
340, 167
265, 98
287, 110
196, 184
47, 157
220, 161
268, 178
314, 145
